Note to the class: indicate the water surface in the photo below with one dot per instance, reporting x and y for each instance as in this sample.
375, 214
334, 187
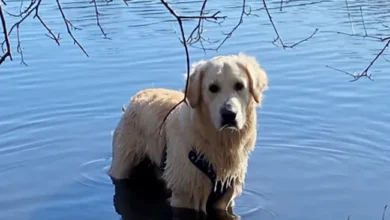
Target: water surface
322, 149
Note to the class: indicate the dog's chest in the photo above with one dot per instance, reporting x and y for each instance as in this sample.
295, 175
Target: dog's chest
204, 167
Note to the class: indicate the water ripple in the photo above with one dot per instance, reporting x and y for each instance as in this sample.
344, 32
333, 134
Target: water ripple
93, 174
250, 203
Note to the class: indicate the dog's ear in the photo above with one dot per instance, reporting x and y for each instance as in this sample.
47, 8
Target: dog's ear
258, 80
195, 83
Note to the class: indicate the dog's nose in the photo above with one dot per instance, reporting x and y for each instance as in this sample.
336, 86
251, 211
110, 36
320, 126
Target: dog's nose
228, 116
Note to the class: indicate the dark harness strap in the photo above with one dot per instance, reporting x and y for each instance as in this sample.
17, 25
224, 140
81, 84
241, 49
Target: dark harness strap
203, 165
163, 159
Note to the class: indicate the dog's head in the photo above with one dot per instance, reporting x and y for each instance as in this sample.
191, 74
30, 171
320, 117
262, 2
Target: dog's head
227, 86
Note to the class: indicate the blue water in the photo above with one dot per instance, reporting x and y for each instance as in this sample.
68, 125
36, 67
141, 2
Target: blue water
323, 142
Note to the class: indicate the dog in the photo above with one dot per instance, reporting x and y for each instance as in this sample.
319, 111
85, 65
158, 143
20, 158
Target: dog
205, 143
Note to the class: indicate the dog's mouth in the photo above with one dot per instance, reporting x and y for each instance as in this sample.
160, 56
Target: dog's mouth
228, 125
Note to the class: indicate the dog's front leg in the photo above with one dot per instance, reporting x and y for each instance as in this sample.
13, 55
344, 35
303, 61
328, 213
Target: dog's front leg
227, 200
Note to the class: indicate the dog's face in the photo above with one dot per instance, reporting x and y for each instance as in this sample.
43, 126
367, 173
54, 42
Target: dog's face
226, 85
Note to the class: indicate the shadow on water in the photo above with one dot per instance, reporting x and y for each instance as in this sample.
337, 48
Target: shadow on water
144, 196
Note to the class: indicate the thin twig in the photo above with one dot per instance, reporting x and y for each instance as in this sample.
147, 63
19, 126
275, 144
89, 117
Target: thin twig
240, 21
273, 25
359, 35
27, 14
19, 47
98, 19
364, 25
278, 38
52, 35
364, 73
199, 29
68, 25
126, 2
384, 212
303, 40
349, 16
6, 38
28, 7
34, 6
214, 16
183, 38
281, 5
20, 9
341, 71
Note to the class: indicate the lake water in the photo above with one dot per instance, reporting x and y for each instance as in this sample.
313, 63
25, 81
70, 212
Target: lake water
323, 142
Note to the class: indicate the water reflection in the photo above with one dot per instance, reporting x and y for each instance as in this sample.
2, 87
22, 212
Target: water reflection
144, 196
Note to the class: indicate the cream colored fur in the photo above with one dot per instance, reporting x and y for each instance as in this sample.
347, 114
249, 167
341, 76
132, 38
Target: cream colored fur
196, 125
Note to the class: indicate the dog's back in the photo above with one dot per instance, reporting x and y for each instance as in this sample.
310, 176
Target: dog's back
138, 130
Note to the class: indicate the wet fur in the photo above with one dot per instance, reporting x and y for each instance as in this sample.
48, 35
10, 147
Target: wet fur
137, 134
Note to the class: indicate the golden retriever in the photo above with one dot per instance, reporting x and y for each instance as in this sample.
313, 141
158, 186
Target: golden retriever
203, 147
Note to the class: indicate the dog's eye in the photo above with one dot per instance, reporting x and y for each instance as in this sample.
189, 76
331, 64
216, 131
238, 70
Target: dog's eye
213, 88
238, 86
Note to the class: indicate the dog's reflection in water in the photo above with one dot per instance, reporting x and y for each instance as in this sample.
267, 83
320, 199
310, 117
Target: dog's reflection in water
144, 197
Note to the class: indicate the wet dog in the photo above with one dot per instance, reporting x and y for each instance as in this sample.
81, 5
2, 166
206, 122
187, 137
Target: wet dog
203, 147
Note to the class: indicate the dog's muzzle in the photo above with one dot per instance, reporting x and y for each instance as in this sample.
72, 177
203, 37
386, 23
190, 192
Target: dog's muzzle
228, 117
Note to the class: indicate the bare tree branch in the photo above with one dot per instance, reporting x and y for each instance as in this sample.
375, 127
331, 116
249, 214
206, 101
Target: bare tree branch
126, 2
52, 35
69, 25
359, 35
98, 19
364, 25
384, 212
364, 73
200, 38
303, 40
184, 41
214, 16
349, 16
278, 38
7, 53
198, 29
21, 13
179, 19
26, 13
34, 7
281, 5
240, 21
196, 35
341, 71
19, 47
